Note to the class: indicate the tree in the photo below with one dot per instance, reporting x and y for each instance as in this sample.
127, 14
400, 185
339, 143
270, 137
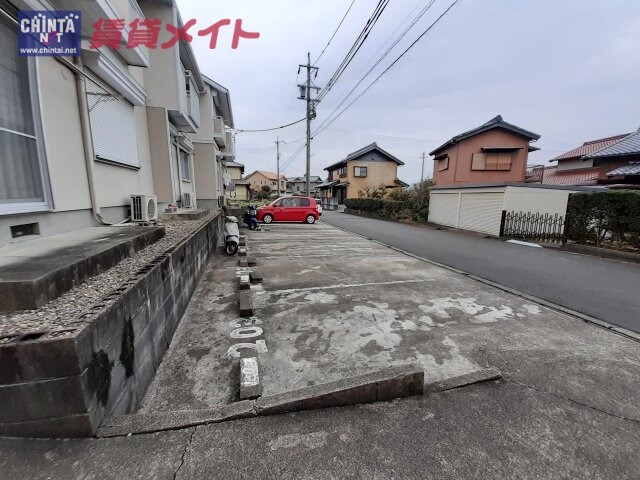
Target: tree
370, 191
264, 192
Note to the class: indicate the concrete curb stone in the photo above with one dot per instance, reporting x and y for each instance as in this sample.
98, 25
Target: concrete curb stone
245, 303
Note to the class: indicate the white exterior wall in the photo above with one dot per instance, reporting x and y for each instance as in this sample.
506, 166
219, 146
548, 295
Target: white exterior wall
480, 209
64, 149
574, 164
537, 200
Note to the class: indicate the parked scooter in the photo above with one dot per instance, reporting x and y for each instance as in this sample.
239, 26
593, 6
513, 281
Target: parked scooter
250, 218
231, 235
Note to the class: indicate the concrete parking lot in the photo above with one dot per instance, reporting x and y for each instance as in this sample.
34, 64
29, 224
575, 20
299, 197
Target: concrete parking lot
335, 305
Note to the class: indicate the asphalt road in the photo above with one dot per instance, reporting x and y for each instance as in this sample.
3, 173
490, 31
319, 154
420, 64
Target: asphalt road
608, 290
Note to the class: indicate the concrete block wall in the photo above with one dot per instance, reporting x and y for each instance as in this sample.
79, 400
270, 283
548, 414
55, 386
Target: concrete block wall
65, 387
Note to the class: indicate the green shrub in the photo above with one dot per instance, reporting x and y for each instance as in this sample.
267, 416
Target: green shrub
600, 217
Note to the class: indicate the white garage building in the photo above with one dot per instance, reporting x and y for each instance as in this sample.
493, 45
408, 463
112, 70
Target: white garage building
479, 207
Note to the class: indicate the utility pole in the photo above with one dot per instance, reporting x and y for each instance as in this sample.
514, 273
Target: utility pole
278, 142
305, 94
422, 175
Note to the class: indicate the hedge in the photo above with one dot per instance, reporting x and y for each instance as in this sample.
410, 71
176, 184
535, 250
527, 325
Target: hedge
611, 217
387, 208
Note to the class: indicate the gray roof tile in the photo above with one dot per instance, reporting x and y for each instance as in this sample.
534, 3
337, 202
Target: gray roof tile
629, 145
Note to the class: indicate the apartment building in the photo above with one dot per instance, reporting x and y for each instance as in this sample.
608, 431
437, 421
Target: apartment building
79, 135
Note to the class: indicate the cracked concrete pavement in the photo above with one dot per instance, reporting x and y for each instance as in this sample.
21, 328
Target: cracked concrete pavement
334, 304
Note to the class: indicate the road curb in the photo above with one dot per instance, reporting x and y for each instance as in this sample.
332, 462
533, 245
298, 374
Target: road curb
394, 382
551, 305
386, 384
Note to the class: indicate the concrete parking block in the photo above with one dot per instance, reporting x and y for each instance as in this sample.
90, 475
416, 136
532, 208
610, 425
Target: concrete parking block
252, 261
250, 386
245, 303
245, 282
256, 277
242, 251
243, 263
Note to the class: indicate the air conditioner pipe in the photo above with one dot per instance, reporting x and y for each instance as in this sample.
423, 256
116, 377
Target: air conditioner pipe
87, 141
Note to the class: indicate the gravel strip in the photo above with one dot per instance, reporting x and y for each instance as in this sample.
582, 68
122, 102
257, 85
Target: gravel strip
61, 316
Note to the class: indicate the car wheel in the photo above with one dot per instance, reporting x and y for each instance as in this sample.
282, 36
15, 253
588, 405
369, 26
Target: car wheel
311, 219
267, 218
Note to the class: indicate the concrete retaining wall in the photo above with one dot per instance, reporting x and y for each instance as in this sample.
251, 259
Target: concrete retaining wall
65, 387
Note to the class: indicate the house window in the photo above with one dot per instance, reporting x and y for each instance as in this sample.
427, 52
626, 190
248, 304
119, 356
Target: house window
491, 161
22, 164
360, 171
185, 166
113, 127
443, 163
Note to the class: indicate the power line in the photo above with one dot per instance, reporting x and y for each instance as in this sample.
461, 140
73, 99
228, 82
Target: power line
355, 48
334, 33
437, 20
384, 55
270, 129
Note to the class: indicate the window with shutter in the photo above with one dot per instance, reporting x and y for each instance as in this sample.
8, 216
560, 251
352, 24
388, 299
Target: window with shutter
491, 161
479, 161
113, 127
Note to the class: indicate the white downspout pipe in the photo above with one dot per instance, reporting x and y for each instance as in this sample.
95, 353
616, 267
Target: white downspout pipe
87, 141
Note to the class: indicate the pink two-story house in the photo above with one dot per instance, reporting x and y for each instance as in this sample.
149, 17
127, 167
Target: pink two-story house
496, 152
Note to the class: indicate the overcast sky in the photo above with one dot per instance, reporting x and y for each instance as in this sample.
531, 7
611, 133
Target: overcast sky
568, 70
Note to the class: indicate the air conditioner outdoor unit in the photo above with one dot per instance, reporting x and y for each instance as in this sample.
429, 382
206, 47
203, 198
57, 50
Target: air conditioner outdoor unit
144, 208
189, 200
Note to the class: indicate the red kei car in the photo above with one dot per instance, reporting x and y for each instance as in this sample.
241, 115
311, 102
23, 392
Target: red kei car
290, 209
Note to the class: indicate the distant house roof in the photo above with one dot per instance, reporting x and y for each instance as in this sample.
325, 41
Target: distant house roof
588, 148
234, 164
312, 179
269, 175
364, 151
584, 176
632, 169
629, 145
496, 122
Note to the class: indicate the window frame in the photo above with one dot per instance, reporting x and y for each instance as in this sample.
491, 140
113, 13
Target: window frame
366, 171
443, 163
13, 208
181, 152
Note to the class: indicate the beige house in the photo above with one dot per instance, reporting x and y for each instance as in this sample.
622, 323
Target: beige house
79, 136
259, 178
364, 170
240, 187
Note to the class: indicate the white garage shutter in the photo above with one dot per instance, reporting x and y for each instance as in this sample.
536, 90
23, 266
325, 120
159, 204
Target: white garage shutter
443, 208
113, 127
481, 212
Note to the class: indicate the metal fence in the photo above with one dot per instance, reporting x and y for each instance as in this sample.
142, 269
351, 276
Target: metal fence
537, 227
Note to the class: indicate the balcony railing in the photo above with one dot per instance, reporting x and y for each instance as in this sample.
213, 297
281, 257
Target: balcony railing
219, 134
